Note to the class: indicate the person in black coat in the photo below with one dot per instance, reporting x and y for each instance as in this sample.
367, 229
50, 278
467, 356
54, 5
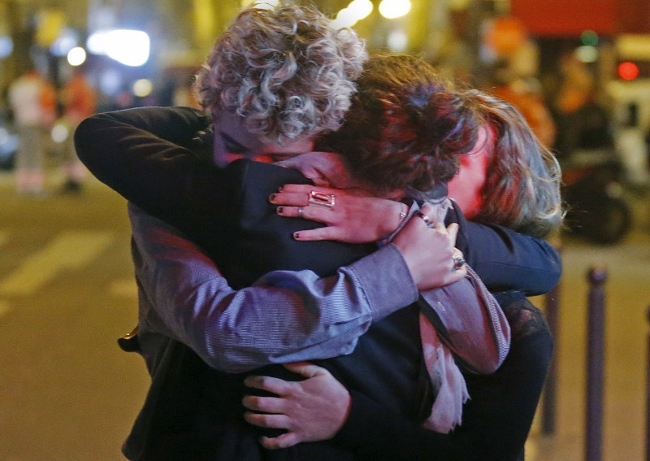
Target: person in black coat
138, 196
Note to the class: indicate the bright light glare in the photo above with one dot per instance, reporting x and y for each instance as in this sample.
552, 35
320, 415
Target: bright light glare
6, 46
76, 56
344, 18
129, 47
587, 53
60, 132
391, 9
360, 8
397, 41
264, 4
96, 43
628, 70
142, 88
354, 12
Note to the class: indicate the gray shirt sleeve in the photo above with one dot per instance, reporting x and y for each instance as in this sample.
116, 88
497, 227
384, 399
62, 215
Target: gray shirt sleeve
283, 317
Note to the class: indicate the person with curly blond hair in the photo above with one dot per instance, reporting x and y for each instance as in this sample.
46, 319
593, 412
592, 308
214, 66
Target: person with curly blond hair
285, 73
124, 168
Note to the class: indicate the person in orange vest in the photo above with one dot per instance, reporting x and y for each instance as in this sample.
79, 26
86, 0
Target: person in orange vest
79, 101
32, 99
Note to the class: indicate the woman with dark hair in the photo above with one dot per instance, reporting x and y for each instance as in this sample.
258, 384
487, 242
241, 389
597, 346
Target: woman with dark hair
205, 434
518, 180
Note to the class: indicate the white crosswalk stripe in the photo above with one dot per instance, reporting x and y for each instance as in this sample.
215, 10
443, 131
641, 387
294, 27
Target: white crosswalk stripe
68, 250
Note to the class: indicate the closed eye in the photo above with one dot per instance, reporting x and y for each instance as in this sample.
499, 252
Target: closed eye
232, 146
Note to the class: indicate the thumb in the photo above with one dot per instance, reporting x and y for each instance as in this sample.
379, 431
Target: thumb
286, 440
452, 230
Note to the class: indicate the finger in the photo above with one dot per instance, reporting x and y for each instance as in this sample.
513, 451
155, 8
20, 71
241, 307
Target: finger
264, 404
286, 440
456, 275
452, 230
440, 227
458, 260
313, 213
268, 383
420, 215
307, 188
321, 233
290, 198
319, 181
306, 369
268, 421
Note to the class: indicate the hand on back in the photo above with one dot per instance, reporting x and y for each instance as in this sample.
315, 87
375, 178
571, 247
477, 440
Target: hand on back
355, 217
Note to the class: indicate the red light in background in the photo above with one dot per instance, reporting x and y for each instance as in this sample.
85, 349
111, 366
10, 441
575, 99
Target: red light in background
628, 70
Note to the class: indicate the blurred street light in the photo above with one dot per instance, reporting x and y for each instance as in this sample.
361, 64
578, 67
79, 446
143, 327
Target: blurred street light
76, 56
129, 47
354, 12
391, 9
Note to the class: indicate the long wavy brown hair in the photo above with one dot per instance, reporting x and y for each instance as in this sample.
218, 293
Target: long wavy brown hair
523, 178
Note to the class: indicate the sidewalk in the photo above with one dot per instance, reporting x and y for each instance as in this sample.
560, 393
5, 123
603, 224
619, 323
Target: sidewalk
626, 329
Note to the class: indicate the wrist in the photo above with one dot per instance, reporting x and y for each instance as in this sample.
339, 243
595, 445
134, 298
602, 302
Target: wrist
396, 215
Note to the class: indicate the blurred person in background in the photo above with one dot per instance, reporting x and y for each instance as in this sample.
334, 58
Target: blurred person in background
32, 99
584, 124
79, 100
525, 95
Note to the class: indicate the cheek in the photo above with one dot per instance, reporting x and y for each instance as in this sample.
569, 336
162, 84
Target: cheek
229, 158
465, 187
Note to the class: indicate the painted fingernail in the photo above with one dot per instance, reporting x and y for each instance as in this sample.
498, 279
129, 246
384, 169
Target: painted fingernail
296, 235
272, 197
280, 209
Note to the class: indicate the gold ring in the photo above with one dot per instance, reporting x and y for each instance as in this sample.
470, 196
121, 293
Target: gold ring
321, 199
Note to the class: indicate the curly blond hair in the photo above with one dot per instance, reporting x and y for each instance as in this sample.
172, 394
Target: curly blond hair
285, 70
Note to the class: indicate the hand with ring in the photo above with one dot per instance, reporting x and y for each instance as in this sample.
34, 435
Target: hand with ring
349, 215
429, 250
458, 260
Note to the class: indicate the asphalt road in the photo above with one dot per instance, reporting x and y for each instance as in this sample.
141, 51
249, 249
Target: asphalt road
68, 393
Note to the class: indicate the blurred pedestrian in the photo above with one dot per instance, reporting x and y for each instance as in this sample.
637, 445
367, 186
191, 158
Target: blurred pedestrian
525, 95
79, 101
32, 99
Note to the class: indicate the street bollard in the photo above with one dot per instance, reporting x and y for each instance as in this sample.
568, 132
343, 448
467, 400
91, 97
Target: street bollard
551, 312
595, 364
551, 304
647, 393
